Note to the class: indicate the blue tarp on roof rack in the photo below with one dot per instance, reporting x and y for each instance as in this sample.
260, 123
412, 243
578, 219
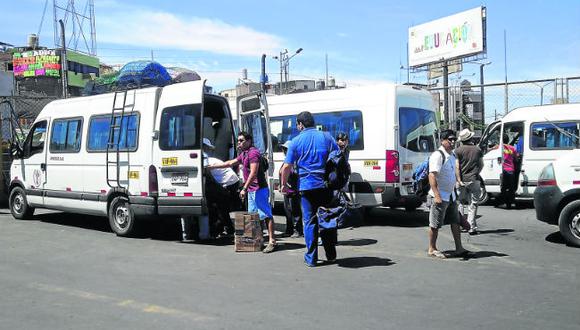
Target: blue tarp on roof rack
143, 73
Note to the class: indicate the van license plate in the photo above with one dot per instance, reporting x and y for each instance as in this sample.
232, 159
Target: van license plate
179, 178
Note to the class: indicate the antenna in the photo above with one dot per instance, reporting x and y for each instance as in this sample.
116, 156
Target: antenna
80, 29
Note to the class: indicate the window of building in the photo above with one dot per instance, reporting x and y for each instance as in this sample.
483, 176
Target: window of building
180, 127
66, 135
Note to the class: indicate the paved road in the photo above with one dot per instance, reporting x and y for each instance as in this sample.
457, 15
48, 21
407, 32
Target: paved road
70, 272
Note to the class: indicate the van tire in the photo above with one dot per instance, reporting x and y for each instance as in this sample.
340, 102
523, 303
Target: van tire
19, 204
569, 223
121, 217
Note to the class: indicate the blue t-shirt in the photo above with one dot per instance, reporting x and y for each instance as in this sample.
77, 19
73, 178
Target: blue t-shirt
309, 151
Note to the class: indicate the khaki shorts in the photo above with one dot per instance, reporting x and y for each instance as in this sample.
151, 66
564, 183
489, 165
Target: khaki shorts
444, 213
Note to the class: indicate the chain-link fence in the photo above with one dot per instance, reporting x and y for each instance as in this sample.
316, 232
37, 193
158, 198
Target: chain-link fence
467, 107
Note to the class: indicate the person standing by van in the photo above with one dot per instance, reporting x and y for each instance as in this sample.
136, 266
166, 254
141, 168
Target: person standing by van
292, 209
442, 197
255, 185
469, 165
509, 174
309, 151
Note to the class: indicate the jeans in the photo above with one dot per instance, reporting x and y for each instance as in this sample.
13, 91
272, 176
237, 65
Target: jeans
468, 196
311, 200
293, 213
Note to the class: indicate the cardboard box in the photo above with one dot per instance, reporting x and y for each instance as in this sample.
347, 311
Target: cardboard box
247, 244
248, 232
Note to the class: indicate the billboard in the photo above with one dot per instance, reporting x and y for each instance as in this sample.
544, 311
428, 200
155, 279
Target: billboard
36, 63
454, 36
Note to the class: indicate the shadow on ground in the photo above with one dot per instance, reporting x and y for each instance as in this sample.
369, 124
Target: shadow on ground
501, 231
357, 242
361, 262
383, 216
475, 255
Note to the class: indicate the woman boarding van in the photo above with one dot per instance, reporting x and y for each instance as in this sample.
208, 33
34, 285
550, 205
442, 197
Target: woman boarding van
125, 155
539, 134
392, 129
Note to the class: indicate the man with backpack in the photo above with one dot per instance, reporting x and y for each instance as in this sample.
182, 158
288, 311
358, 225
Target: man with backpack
255, 184
310, 151
442, 197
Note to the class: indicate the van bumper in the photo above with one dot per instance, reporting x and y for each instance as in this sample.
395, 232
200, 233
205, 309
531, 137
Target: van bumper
391, 196
546, 201
151, 206
181, 206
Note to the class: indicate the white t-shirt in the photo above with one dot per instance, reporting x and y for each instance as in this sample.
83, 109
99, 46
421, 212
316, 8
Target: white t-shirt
224, 176
445, 174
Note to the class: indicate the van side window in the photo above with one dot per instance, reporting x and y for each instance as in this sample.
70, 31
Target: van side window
66, 135
283, 128
99, 127
179, 127
552, 136
35, 140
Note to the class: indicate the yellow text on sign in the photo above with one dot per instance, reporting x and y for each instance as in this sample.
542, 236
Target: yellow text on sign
133, 174
169, 161
371, 163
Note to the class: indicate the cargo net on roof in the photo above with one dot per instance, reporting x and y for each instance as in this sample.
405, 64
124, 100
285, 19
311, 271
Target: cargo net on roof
139, 74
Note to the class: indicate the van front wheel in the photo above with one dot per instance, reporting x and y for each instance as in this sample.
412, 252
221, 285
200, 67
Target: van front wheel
19, 205
121, 218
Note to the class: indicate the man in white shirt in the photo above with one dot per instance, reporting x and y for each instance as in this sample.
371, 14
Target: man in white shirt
218, 197
442, 196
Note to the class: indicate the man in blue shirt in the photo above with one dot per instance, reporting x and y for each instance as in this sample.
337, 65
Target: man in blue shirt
309, 151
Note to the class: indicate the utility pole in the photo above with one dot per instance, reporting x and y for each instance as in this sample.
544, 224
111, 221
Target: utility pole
505, 70
63, 62
446, 93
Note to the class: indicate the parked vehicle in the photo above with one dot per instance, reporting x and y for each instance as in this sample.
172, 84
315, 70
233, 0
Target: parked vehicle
540, 134
557, 198
126, 155
392, 128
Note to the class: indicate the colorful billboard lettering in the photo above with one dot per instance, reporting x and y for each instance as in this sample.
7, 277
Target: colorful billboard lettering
36, 63
447, 38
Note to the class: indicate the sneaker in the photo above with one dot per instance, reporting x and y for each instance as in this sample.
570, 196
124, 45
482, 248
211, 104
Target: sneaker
473, 232
270, 248
295, 234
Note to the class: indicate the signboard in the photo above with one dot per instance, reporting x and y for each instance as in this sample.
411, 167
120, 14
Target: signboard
36, 63
450, 37
436, 70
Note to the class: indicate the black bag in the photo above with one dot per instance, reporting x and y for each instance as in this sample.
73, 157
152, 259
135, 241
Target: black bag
345, 214
337, 170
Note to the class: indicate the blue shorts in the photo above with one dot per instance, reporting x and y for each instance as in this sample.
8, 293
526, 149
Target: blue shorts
258, 201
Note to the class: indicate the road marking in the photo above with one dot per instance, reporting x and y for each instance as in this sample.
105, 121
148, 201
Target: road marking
125, 303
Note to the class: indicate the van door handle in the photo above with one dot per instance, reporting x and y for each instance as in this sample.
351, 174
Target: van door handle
43, 167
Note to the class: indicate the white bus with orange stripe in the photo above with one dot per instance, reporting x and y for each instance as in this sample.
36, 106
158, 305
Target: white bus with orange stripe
126, 155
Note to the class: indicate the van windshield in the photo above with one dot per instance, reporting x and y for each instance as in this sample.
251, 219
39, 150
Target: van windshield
179, 127
417, 129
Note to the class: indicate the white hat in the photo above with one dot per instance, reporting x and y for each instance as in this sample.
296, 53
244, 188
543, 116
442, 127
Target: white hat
207, 143
465, 135
286, 145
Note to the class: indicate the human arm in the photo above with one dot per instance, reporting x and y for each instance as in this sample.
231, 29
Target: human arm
434, 187
251, 176
284, 174
458, 173
229, 163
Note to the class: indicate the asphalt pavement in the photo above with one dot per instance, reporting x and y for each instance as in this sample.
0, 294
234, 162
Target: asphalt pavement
63, 271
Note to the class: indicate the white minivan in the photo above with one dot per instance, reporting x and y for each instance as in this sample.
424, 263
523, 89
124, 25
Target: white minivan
540, 134
392, 129
124, 155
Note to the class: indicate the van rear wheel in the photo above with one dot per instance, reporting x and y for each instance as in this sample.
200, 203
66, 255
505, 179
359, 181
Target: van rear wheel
121, 218
569, 223
19, 205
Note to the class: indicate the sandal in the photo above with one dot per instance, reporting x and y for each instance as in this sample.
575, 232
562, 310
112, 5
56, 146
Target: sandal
269, 248
437, 254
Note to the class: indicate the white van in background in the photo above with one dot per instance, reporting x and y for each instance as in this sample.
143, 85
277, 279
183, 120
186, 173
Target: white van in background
124, 155
392, 129
541, 134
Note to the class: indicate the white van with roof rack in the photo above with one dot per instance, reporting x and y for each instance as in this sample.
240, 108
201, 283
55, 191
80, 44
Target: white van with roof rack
126, 155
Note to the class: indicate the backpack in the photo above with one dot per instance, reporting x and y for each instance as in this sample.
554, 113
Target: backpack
337, 170
421, 184
264, 164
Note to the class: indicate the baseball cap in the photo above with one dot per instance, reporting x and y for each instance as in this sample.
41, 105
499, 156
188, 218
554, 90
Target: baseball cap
207, 143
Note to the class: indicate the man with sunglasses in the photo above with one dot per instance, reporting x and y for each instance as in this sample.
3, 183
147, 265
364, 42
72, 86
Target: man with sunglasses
255, 184
442, 197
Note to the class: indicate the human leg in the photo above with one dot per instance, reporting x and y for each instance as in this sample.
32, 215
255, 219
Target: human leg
288, 214
436, 216
310, 222
452, 218
475, 192
297, 215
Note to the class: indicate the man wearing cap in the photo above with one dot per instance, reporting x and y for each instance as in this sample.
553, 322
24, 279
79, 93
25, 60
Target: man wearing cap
292, 200
442, 197
227, 179
469, 165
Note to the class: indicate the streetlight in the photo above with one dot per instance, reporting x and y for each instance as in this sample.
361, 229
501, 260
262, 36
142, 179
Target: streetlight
481, 87
285, 65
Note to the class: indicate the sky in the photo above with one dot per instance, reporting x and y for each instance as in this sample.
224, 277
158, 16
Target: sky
365, 41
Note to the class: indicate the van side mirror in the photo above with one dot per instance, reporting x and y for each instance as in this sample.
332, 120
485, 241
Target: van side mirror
16, 151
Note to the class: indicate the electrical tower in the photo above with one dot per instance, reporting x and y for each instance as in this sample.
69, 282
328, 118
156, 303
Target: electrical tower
79, 25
